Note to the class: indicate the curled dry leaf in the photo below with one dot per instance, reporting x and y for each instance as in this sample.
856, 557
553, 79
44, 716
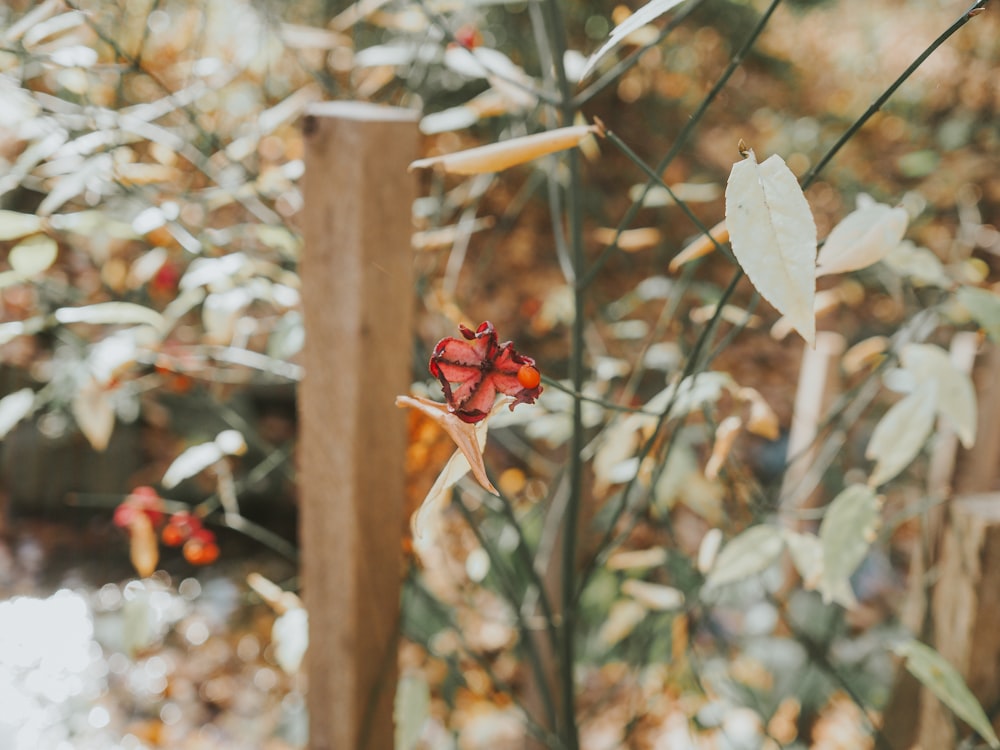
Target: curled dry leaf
773, 237
654, 596
470, 443
638, 558
144, 549
631, 240
864, 353
708, 550
725, 436
703, 245
762, 419
481, 368
499, 156
645, 15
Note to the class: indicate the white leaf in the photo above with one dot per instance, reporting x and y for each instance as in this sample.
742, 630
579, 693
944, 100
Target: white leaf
752, 552
290, 636
654, 596
862, 238
918, 264
191, 461
956, 395
14, 407
901, 433
638, 558
934, 671
14, 224
646, 14
110, 313
848, 530
31, 256
773, 236
94, 414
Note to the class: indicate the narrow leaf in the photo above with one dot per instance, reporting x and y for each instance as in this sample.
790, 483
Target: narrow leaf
773, 237
144, 550
752, 552
646, 14
110, 313
412, 709
807, 556
14, 224
701, 246
848, 530
941, 678
862, 238
499, 156
956, 395
193, 460
14, 407
654, 596
901, 433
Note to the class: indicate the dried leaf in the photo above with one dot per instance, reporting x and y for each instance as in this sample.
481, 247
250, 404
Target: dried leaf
956, 395
708, 549
631, 240
143, 548
864, 353
499, 156
646, 14
762, 420
700, 246
654, 596
747, 554
469, 440
725, 436
942, 679
901, 433
94, 414
624, 615
773, 237
848, 530
862, 238
639, 558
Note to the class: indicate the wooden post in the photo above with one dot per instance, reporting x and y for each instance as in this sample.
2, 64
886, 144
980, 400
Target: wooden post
357, 294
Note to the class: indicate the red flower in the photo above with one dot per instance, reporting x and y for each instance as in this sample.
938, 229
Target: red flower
481, 368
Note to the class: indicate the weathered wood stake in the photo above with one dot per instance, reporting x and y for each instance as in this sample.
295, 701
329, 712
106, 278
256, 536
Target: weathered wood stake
357, 294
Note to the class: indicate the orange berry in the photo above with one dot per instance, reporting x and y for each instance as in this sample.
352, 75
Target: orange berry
529, 377
173, 535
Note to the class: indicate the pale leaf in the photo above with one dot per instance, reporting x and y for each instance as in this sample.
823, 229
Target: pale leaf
918, 264
708, 550
654, 596
646, 14
31, 256
144, 549
290, 637
624, 615
762, 419
984, 306
94, 414
411, 710
110, 313
848, 530
752, 552
701, 246
499, 156
639, 558
773, 237
942, 679
14, 407
14, 224
807, 556
191, 461
956, 395
901, 433
862, 238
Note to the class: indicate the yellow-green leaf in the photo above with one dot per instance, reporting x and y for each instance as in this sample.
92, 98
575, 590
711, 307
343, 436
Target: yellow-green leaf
956, 395
862, 238
901, 433
848, 530
752, 552
984, 306
942, 679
